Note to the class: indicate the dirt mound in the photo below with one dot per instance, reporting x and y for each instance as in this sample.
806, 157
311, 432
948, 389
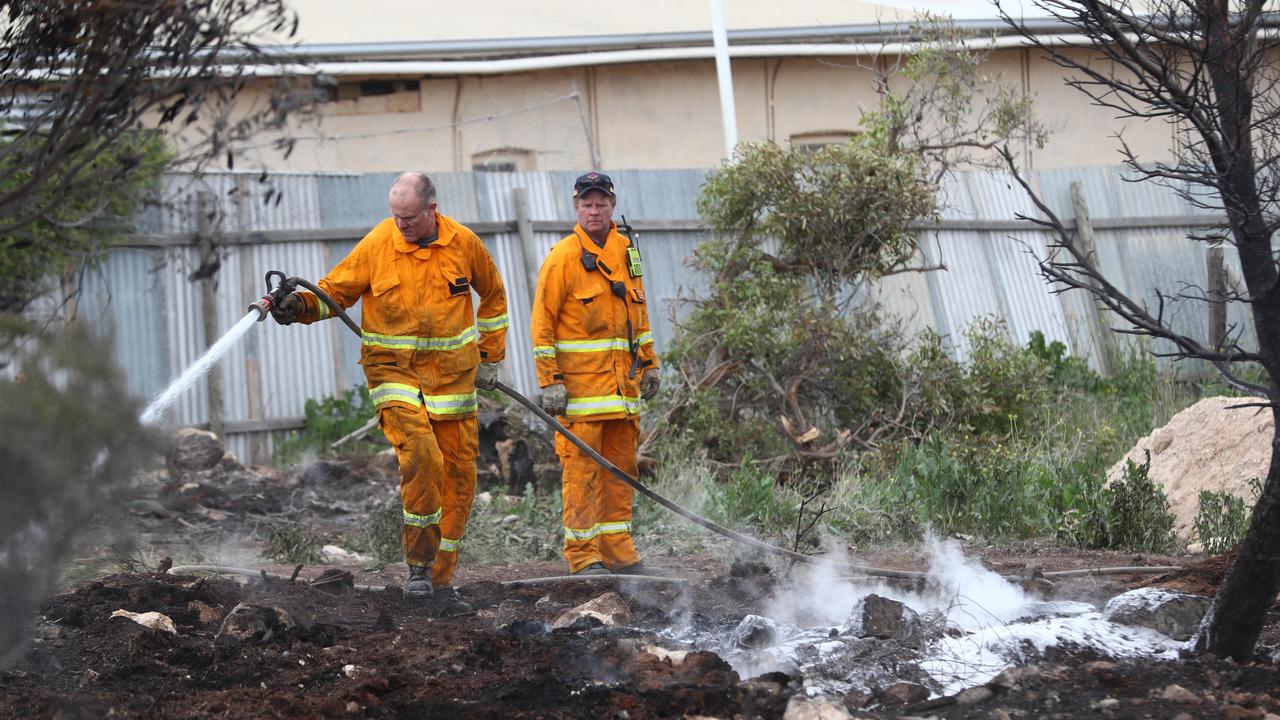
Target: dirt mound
1205, 447
289, 650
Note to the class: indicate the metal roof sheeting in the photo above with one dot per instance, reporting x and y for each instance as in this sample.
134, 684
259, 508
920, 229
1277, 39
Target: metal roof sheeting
143, 296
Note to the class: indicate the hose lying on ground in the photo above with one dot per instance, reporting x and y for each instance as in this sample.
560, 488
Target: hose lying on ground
636, 484
248, 572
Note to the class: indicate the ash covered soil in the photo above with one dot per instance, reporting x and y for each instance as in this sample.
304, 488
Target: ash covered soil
320, 645
320, 649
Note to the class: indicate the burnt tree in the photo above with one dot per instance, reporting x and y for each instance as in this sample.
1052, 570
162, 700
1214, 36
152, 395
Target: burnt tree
1208, 68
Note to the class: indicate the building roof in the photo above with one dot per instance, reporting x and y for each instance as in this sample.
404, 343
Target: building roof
450, 30
400, 21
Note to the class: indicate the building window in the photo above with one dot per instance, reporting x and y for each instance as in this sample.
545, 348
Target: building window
504, 159
818, 139
364, 97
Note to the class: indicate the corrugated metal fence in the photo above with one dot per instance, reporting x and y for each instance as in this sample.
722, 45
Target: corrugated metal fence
303, 224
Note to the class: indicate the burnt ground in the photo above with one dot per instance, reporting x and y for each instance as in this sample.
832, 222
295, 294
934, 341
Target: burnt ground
307, 649
316, 646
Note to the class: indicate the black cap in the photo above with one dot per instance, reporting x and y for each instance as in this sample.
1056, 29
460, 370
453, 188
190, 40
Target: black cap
593, 181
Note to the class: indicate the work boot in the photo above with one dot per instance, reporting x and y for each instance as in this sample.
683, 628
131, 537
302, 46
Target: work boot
635, 568
419, 583
446, 601
595, 568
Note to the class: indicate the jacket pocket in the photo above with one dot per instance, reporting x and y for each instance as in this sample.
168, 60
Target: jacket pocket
388, 301
591, 305
386, 312
452, 362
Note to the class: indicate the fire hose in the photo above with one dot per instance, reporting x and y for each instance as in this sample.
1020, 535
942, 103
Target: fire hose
287, 285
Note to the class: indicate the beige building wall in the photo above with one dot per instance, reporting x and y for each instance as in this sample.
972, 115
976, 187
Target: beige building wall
1082, 133
649, 115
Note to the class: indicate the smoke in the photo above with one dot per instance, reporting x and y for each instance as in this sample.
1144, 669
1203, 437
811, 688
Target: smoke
69, 439
959, 589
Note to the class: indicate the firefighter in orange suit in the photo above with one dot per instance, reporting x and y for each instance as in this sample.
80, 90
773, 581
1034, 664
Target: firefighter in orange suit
595, 359
425, 350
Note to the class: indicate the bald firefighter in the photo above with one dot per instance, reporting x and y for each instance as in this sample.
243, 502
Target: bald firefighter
425, 350
595, 360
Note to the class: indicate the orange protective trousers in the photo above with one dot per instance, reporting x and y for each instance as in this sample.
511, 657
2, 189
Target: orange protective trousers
597, 505
437, 484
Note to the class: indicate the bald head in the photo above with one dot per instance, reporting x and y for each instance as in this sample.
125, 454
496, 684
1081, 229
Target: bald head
413, 205
417, 185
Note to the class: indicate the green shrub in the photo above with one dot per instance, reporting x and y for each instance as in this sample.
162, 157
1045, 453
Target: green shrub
381, 536
1004, 384
1136, 513
1065, 371
326, 421
1012, 443
290, 542
513, 529
752, 498
1223, 518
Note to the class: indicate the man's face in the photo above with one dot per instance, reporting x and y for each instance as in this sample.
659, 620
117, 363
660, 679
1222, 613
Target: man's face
413, 221
595, 211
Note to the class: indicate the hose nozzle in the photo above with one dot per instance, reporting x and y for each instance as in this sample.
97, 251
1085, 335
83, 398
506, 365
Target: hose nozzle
263, 307
275, 293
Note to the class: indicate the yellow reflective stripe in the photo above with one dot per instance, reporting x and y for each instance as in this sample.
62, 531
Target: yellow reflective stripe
387, 392
449, 544
605, 528
412, 342
603, 404
394, 342
422, 520
451, 404
493, 323
323, 312
645, 337
452, 343
605, 345
544, 351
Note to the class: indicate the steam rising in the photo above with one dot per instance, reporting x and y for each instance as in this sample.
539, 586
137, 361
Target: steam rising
991, 623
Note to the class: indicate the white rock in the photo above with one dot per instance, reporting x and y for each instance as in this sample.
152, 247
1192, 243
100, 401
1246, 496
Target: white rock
335, 555
802, 708
153, 620
608, 608
675, 656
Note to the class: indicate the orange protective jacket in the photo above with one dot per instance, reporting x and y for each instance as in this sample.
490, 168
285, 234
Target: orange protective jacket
421, 333
580, 327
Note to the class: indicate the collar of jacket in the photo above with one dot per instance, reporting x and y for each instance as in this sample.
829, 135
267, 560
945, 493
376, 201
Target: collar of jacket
590, 245
446, 230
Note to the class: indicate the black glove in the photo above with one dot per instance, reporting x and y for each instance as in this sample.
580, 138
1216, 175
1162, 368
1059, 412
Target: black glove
288, 309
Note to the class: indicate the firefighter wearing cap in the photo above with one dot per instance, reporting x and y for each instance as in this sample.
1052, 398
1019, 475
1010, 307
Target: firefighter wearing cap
595, 361
425, 350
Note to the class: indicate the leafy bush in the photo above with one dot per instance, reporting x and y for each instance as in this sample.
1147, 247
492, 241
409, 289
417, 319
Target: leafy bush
290, 542
381, 537
509, 528
89, 207
326, 421
71, 440
1133, 514
751, 497
1223, 518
